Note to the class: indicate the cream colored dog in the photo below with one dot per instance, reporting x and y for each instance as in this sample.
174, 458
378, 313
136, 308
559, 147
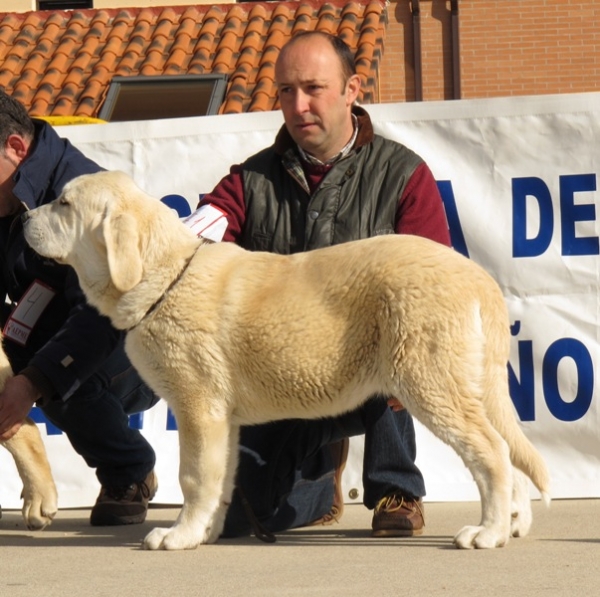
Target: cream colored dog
39, 492
231, 337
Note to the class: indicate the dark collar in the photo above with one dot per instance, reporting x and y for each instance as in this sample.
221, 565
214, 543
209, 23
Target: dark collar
160, 299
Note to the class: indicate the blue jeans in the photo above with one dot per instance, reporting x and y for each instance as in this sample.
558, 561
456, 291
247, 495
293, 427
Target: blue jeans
95, 419
286, 470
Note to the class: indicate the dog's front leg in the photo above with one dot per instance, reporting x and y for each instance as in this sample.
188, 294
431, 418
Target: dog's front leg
228, 484
39, 490
203, 447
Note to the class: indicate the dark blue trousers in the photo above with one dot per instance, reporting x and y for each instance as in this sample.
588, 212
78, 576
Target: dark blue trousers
95, 419
286, 470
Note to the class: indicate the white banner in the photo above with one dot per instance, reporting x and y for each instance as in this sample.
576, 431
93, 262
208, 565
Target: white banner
519, 181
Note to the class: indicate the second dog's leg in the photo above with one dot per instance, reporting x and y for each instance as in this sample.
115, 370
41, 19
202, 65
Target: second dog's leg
39, 490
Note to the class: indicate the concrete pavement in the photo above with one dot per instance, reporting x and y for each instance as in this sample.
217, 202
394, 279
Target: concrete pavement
70, 558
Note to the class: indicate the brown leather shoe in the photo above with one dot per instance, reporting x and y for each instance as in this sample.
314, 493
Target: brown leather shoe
396, 516
339, 454
124, 505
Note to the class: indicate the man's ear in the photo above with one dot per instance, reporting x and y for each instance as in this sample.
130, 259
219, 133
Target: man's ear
16, 148
352, 89
123, 251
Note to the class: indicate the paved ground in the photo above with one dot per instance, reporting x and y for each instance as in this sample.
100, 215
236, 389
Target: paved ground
70, 558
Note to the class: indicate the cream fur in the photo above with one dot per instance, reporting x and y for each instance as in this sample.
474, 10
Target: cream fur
26, 446
247, 337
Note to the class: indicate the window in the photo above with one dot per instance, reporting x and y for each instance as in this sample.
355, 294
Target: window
64, 4
163, 96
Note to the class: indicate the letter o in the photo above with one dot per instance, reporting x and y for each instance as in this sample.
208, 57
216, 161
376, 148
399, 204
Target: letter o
574, 349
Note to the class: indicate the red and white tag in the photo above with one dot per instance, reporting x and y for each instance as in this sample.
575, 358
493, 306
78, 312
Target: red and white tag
209, 222
27, 312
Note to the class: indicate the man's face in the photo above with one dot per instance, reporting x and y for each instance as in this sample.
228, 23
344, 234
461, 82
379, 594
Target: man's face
315, 100
11, 155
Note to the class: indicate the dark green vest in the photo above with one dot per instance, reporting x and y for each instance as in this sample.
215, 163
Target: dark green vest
358, 198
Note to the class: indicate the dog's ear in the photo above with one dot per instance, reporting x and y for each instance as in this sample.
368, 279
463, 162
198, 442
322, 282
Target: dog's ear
123, 250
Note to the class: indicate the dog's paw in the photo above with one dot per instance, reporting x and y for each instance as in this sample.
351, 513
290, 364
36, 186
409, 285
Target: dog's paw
39, 507
520, 522
521, 516
479, 537
154, 539
177, 537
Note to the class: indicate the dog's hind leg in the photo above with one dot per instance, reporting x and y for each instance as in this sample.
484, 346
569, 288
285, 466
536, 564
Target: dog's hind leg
466, 428
527, 461
204, 444
521, 515
486, 455
39, 491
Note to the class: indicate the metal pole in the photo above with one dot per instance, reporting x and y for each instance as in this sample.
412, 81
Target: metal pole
418, 62
455, 50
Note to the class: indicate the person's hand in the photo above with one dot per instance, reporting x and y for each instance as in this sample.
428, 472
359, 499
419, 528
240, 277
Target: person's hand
395, 404
16, 400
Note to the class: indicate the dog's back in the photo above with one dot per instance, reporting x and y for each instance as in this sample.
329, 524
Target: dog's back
293, 334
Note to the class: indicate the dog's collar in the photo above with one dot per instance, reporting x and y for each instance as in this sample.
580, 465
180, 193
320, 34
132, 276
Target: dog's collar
166, 292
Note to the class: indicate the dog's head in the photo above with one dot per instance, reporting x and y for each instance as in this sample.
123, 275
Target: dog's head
88, 227
108, 230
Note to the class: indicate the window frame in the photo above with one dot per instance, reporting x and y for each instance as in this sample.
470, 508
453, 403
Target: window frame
64, 4
121, 84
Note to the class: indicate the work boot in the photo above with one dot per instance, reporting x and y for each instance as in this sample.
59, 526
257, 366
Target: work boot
124, 505
396, 516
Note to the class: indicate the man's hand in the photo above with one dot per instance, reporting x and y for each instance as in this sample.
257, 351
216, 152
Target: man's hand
16, 400
395, 404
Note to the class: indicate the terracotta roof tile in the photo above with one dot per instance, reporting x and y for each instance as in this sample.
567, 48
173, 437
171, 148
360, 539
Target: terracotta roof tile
60, 63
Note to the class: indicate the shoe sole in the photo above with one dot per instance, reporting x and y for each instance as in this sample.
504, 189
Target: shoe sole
118, 521
396, 533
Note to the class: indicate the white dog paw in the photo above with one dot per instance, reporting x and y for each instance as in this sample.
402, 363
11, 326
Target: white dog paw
154, 539
214, 534
175, 538
520, 523
39, 509
479, 537
520, 508
216, 528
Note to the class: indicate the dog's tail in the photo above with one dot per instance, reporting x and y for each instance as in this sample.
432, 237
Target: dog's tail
527, 459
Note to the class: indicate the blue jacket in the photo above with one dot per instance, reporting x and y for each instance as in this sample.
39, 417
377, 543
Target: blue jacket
70, 340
